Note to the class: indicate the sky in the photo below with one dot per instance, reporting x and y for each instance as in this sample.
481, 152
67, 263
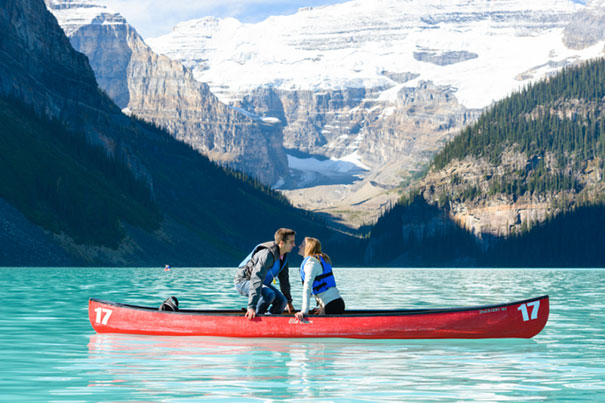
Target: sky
152, 18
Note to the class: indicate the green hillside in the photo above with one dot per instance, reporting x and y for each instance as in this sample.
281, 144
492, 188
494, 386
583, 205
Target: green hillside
181, 208
64, 184
560, 118
545, 146
570, 239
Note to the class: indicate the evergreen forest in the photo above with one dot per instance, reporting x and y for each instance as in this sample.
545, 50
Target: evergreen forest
561, 116
558, 125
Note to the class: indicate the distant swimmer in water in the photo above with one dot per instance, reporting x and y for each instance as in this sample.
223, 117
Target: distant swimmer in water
167, 267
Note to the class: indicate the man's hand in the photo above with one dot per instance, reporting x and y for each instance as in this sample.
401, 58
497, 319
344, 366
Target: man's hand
300, 316
290, 308
250, 313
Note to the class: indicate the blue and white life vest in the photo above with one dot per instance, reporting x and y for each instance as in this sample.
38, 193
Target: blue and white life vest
277, 267
322, 282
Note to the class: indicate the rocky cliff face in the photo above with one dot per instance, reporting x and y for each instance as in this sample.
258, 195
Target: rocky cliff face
495, 215
198, 208
464, 189
376, 84
386, 141
530, 157
373, 90
587, 26
39, 67
161, 91
45, 55
415, 233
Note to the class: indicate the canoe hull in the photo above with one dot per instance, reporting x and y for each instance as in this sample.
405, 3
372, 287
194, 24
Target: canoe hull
522, 319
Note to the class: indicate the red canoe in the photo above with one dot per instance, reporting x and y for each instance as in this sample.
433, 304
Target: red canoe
522, 319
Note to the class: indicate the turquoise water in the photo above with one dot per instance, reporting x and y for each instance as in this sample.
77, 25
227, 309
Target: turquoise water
50, 353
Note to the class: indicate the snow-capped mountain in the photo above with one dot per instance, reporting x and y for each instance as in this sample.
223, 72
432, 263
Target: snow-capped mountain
461, 43
162, 91
380, 83
587, 27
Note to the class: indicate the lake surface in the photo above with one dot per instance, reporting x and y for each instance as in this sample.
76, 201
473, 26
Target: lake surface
50, 353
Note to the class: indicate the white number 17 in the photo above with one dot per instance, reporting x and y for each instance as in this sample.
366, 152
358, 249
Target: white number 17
102, 319
534, 312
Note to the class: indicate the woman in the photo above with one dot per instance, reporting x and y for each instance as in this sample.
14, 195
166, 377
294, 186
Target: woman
318, 279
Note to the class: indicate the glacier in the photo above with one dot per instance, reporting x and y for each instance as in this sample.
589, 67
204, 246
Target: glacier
352, 44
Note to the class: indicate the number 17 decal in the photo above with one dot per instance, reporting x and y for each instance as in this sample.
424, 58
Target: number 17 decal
103, 315
534, 312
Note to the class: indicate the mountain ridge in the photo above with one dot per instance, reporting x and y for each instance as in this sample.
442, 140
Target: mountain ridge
391, 81
201, 205
548, 152
375, 87
161, 91
523, 186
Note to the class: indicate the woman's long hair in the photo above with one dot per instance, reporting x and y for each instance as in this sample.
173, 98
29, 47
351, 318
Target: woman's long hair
313, 248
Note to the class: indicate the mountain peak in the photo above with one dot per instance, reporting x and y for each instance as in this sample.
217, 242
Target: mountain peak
73, 14
349, 45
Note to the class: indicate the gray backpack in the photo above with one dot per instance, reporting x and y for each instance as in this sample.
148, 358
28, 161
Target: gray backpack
171, 304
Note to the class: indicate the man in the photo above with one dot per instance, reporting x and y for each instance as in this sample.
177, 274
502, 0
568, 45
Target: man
258, 271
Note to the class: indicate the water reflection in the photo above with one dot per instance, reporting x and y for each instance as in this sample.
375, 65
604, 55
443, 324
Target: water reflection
203, 366
215, 368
